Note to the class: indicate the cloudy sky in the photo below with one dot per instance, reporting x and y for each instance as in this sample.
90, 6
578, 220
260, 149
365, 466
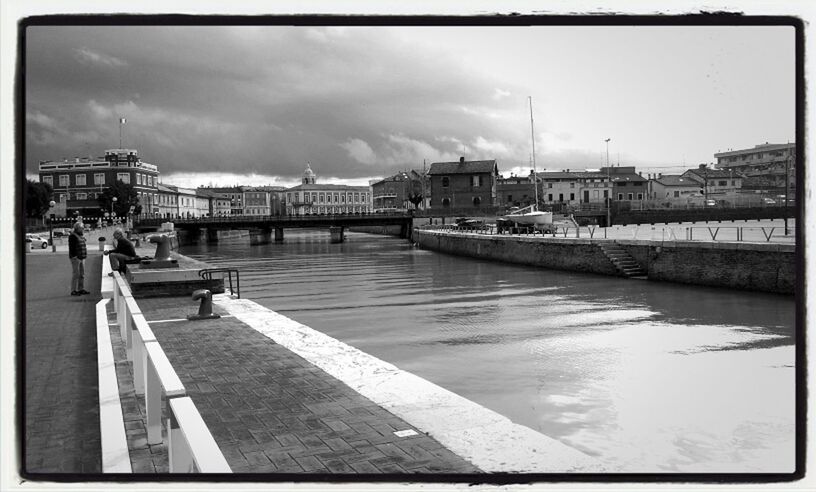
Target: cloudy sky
251, 105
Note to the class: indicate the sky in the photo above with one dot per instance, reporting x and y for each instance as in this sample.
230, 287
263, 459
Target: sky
226, 105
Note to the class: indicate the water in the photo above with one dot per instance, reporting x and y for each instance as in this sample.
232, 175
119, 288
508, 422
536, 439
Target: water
647, 377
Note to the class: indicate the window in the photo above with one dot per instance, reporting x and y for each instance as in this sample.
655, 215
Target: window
476, 181
572, 196
733, 182
79, 179
123, 177
722, 183
357, 198
82, 196
620, 196
677, 194
560, 197
99, 178
445, 184
640, 196
49, 180
549, 197
62, 198
138, 178
445, 201
629, 196
549, 185
477, 201
342, 198
572, 185
63, 180
509, 198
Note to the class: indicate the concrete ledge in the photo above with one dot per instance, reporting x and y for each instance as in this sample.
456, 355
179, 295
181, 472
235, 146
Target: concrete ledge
115, 454
487, 439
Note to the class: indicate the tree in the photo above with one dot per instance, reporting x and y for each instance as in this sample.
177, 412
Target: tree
37, 198
125, 197
415, 198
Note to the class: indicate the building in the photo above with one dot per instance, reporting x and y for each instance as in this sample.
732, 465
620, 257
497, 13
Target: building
167, 201
595, 188
256, 201
768, 162
515, 191
673, 189
715, 181
394, 193
77, 182
464, 186
627, 184
187, 205
218, 203
310, 197
560, 187
235, 196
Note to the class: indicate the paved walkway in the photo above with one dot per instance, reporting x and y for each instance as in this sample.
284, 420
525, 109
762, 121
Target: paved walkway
271, 411
60, 392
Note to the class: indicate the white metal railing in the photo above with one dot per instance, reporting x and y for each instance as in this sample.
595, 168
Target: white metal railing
115, 453
154, 376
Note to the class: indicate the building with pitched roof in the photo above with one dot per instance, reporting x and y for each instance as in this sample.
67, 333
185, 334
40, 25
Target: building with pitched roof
715, 181
463, 185
673, 188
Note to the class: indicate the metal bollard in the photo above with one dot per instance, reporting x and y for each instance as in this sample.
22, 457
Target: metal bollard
205, 309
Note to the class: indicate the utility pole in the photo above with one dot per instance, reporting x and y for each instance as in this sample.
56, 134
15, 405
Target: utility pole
609, 186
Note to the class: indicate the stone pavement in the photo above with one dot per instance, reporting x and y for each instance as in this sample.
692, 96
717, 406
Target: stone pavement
60, 390
270, 411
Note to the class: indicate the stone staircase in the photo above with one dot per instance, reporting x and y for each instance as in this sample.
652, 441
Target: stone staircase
624, 263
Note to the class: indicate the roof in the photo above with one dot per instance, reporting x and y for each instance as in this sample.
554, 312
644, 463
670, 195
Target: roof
559, 175
466, 167
166, 188
712, 173
676, 180
758, 148
327, 187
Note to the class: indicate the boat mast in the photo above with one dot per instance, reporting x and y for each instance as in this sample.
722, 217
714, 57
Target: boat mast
535, 172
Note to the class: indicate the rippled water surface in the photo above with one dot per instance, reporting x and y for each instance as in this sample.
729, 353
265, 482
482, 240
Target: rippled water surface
645, 376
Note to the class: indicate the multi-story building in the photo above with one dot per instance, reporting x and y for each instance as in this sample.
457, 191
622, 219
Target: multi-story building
715, 181
256, 201
394, 192
561, 187
673, 188
515, 191
770, 162
309, 197
187, 205
463, 185
627, 185
77, 182
595, 188
167, 201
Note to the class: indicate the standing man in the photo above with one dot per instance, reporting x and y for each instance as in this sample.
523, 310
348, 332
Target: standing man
77, 252
123, 251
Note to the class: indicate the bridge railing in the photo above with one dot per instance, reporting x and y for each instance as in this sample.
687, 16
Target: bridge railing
153, 378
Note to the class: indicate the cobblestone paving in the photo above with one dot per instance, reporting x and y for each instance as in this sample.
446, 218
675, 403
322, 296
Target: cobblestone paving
271, 411
60, 385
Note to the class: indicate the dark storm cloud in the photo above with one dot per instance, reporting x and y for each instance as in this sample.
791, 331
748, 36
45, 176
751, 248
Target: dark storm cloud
355, 101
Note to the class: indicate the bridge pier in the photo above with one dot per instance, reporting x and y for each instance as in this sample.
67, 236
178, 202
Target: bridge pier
212, 235
278, 234
260, 236
336, 234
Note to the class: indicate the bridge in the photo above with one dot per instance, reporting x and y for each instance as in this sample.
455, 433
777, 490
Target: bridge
261, 227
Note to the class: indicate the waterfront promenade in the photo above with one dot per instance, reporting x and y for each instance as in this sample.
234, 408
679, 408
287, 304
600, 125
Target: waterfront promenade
61, 421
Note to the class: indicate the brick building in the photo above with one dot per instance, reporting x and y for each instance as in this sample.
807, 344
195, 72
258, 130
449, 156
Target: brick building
77, 182
464, 186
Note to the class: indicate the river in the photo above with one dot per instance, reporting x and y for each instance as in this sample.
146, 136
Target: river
644, 376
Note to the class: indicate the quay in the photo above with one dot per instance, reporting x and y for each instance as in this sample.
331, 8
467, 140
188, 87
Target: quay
250, 392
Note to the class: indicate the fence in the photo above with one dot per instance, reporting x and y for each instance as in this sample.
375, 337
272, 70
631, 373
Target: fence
758, 233
191, 446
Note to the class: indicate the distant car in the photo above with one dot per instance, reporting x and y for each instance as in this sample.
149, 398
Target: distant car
769, 201
61, 232
36, 241
711, 203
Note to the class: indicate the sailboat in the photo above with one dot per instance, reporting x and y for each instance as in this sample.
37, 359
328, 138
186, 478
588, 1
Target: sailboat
531, 215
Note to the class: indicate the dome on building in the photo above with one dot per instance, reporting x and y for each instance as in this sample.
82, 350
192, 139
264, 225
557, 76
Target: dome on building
309, 175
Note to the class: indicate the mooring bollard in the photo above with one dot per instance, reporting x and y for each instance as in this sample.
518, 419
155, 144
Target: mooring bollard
205, 309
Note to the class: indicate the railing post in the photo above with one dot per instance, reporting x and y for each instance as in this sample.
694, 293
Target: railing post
139, 360
153, 391
181, 459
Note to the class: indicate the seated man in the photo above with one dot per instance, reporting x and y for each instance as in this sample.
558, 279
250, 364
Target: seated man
123, 251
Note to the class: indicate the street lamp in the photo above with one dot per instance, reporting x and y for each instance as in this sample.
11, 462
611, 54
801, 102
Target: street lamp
51, 226
113, 202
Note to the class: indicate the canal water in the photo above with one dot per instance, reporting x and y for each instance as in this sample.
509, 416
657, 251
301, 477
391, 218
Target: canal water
644, 376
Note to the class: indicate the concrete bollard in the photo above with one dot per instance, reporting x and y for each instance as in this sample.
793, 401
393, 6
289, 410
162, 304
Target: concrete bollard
102, 243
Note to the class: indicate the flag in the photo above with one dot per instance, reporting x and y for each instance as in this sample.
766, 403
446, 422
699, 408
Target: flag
122, 121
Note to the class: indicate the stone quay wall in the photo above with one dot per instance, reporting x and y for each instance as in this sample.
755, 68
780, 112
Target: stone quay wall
747, 266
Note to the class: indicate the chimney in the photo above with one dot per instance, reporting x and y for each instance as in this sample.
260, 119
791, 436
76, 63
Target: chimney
462, 160
640, 174
702, 166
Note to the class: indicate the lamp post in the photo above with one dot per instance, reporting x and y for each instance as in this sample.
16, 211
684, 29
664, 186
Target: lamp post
113, 202
609, 186
51, 227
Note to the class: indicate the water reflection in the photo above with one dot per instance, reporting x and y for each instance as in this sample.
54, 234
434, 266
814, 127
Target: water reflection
645, 376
